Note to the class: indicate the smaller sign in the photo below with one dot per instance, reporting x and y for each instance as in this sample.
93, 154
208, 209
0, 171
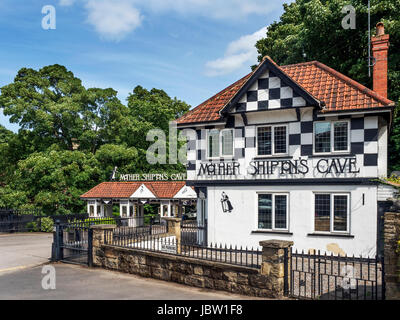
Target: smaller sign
153, 177
169, 248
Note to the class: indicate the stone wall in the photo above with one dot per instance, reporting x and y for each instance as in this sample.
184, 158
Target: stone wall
392, 257
265, 282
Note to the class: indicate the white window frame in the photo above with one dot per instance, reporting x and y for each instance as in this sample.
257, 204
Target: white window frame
273, 211
220, 155
332, 142
273, 140
332, 195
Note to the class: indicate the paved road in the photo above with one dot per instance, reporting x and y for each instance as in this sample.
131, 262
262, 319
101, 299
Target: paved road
81, 283
23, 250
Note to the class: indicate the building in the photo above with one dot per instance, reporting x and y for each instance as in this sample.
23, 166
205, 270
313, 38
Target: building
294, 153
131, 196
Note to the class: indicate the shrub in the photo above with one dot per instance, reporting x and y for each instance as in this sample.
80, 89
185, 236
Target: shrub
32, 226
47, 224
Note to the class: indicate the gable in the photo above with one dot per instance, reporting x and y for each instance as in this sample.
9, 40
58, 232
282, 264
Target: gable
143, 192
186, 193
269, 92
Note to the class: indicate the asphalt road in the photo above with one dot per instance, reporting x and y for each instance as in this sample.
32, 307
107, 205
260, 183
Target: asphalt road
81, 283
24, 250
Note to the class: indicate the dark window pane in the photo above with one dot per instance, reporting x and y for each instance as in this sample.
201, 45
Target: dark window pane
280, 212
264, 141
340, 213
213, 143
322, 212
340, 136
322, 137
280, 139
227, 142
265, 211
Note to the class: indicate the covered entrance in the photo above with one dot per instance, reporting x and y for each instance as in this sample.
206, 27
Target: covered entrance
128, 200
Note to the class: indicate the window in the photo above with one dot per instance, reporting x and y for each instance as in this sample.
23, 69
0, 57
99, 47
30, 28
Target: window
272, 140
331, 137
227, 142
272, 211
220, 144
124, 211
331, 212
91, 211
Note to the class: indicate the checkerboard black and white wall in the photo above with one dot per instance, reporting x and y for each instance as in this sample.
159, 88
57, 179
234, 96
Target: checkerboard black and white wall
268, 93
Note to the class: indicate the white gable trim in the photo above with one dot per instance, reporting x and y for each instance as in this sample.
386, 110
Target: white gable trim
186, 193
143, 192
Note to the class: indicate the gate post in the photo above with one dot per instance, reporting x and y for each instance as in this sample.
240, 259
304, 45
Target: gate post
90, 248
174, 229
58, 238
392, 255
98, 239
276, 265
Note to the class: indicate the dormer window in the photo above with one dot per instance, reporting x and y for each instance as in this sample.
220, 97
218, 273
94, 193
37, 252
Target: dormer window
331, 136
220, 143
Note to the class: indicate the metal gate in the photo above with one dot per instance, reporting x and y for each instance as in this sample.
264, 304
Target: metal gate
73, 243
329, 277
194, 233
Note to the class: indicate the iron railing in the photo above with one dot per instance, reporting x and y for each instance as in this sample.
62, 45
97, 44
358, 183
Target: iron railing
330, 277
167, 243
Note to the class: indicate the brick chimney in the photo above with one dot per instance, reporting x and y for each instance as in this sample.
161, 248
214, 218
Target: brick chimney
380, 48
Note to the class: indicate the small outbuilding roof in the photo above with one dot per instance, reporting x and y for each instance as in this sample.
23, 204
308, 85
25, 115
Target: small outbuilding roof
122, 190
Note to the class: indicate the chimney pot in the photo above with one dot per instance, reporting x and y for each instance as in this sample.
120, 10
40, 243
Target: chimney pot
380, 29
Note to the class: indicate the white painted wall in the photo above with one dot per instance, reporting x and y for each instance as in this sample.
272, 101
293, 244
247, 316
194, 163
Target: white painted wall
236, 227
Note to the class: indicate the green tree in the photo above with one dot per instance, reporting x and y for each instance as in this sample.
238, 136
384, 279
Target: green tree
311, 30
148, 110
56, 108
52, 180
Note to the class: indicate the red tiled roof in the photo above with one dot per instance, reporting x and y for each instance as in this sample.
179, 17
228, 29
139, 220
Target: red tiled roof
208, 110
337, 91
161, 189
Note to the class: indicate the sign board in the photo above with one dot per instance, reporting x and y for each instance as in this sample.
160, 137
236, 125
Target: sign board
169, 248
152, 177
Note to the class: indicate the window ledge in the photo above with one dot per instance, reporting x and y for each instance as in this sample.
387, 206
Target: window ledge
279, 156
331, 155
272, 232
316, 234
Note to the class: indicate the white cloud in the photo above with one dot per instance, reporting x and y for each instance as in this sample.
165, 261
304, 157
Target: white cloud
66, 3
219, 9
113, 20
239, 52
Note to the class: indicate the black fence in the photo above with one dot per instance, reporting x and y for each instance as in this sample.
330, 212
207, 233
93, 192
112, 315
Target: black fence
194, 232
72, 241
329, 277
242, 256
17, 220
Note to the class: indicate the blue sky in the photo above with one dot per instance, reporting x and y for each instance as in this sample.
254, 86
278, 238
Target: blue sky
189, 48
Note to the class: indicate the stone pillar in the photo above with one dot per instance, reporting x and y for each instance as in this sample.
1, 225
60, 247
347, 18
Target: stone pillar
276, 258
99, 240
174, 229
392, 255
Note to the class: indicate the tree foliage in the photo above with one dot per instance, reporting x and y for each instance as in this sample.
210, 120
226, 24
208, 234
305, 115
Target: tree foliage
312, 30
72, 137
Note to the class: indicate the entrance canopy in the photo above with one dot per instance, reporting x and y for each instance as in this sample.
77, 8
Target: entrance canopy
172, 196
